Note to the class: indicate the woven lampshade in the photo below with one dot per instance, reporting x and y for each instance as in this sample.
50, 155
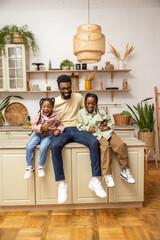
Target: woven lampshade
89, 43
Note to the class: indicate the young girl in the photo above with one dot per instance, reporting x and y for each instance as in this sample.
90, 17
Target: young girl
46, 123
98, 123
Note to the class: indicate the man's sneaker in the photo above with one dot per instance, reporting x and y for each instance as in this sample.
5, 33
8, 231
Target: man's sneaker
96, 186
62, 192
41, 172
28, 172
127, 176
109, 181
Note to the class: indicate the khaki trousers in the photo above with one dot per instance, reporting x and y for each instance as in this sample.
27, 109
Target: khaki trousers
115, 144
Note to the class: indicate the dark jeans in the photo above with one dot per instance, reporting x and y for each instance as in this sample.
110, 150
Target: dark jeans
72, 134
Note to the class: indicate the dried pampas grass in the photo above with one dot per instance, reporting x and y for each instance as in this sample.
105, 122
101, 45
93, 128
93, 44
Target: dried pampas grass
90, 76
117, 55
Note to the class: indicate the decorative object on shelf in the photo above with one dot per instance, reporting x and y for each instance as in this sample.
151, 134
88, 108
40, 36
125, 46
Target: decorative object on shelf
50, 65
84, 66
144, 119
48, 88
35, 87
78, 66
117, 55
122, 118
5, 102
66, 64
16, 113
88, 79
18, 35
101, 88
125, 84
89, 42
95, 67
38, 64
75, 82
109, 66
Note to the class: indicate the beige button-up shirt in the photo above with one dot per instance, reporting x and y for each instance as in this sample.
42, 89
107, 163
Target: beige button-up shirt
87, 120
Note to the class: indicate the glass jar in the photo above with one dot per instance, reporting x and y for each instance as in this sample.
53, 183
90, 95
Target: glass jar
125, 84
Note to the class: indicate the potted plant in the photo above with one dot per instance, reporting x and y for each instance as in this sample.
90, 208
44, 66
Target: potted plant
144, 118
14, 34
5, 102
66, 64
123, 118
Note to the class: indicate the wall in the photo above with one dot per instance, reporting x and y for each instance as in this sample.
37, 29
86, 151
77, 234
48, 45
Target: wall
54, 30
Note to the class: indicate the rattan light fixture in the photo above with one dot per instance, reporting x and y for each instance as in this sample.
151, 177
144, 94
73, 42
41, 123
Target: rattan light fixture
89, 43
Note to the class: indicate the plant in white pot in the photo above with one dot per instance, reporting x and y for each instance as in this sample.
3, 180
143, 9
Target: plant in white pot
143, 117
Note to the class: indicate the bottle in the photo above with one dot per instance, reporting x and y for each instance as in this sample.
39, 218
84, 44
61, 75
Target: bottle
49, 65
101, 85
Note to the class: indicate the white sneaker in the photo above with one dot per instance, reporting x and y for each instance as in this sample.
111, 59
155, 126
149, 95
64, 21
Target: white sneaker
109, 181
41, 172
96, 186
127, 176
62, 192
28, 172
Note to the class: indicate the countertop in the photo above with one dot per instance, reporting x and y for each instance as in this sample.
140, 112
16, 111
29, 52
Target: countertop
10, 128
21, 143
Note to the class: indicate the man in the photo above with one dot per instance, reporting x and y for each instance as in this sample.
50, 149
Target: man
67, 106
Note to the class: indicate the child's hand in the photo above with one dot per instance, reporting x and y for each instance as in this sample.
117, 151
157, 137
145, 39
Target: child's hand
104, 128
44, 127
56, 133
44, 134
91, 130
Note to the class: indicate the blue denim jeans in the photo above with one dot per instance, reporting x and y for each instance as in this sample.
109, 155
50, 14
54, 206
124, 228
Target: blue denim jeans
72, 134
33, 142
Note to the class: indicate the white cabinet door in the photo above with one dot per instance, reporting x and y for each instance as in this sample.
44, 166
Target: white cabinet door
15, 67
14, 189
47, 187
81, 175
2, 72
123, 191
3, 136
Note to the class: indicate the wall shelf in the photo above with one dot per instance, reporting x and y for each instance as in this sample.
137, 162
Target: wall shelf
45, 72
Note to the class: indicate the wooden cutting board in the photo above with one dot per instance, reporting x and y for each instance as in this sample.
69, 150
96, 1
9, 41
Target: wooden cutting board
16, 113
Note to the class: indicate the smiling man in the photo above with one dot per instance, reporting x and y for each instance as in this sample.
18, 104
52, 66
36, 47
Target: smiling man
67, 106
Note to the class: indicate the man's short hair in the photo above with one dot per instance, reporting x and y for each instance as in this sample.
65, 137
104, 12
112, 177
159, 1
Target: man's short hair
63, 78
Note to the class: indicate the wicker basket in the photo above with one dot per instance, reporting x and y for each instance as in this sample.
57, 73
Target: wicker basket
148, 138
122, 120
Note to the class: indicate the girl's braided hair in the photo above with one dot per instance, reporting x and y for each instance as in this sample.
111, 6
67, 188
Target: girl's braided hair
94, 96
42, 100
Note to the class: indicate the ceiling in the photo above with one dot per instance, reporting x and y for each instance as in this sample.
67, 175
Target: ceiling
77, 4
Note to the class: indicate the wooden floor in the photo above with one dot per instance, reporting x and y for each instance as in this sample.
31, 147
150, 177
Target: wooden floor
113, 224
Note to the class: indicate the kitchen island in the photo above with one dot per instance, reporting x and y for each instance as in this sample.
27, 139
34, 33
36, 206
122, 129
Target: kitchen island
36, 193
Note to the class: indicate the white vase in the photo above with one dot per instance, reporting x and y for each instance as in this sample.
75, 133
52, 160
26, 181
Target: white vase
121, 64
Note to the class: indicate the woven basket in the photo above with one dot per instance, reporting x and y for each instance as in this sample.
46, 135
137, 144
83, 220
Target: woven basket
122, 120
148, 138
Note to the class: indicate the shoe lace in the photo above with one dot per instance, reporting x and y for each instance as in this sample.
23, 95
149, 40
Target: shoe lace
128, 171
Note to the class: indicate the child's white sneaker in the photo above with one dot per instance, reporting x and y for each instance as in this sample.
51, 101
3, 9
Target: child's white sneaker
41, 172
109, 181
62, 192
127, 176
28, 172
96, 186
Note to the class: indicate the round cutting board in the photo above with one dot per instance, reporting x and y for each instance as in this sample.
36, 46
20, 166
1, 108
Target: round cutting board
16, 113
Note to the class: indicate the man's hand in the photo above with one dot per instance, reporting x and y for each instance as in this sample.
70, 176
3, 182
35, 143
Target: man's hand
44, 127
57, 132
91, 130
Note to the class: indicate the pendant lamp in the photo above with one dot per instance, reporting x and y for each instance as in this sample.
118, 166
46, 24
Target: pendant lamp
89, 43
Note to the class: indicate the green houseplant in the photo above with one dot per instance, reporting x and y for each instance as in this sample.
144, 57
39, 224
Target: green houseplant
5, 102
143, 117
66, 62
26, 37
